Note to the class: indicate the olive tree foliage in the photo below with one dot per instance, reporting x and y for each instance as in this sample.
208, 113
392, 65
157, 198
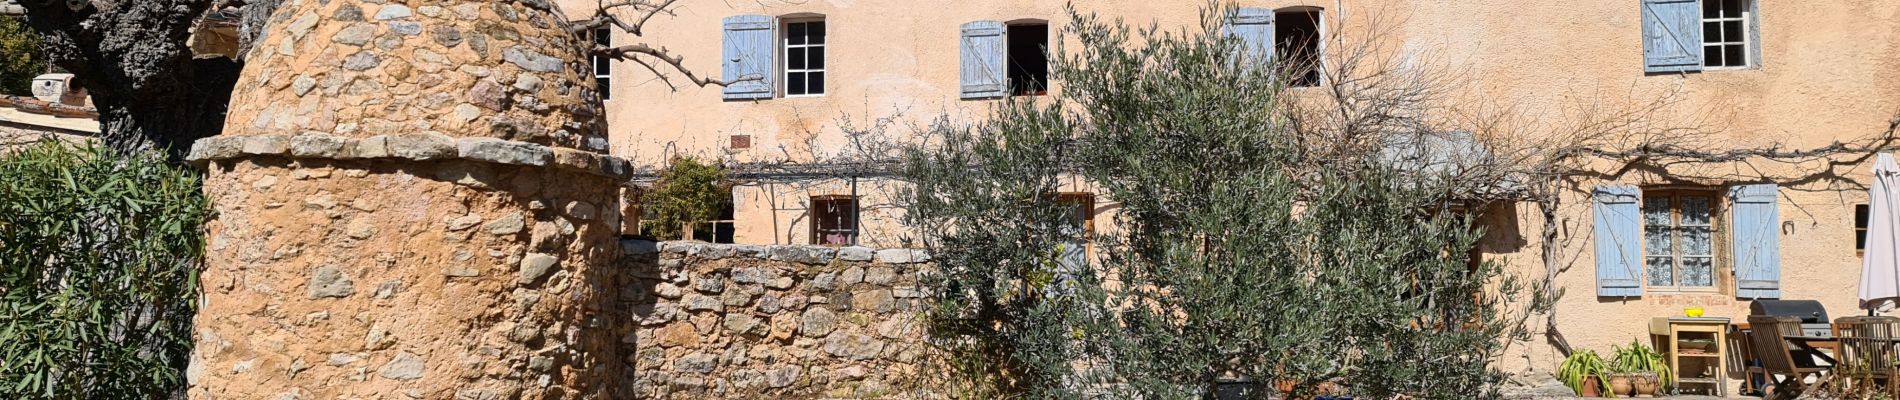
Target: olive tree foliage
99, 256
1245, 255
20, 59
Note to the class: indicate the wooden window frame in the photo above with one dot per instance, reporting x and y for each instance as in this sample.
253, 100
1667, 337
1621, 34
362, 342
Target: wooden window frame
1720, 275
785, 48
1748, 39
855, 232
603, 81
1086, 201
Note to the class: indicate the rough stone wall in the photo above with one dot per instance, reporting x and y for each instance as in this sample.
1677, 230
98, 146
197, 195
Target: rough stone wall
744, 321
411, 204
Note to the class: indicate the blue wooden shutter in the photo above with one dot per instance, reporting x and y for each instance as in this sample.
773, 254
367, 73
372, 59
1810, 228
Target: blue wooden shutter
748, 54
1252, 29
983, 70
1756, 221
1619, 241
1672, 35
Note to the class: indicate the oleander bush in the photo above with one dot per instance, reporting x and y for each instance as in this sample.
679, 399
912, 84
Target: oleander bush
99, 260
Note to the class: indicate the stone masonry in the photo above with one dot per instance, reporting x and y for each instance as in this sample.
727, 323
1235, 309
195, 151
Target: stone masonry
753, 322
412, 204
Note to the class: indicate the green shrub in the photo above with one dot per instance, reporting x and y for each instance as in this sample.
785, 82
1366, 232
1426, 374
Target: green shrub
99, 262
688, 192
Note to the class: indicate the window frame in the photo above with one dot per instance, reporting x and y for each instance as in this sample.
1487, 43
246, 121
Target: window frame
1863, 216
603, 82
817, 231
1319, 42
1085, 201
783, 67
1718, 231
1751, 38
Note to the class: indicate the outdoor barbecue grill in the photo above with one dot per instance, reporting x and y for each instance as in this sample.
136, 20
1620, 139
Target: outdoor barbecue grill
1814, 320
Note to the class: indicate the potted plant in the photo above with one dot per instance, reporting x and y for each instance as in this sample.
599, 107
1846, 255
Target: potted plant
1584, 372
1648, 370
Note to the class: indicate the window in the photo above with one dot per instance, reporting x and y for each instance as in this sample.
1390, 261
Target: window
718, 230
1297, 45
834, 220
1679, 238
603, 65
1725, 33
1081, 219
1861, 214
1028, 64
805, 58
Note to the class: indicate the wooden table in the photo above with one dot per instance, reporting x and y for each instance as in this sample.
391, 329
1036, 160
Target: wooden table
1673, 331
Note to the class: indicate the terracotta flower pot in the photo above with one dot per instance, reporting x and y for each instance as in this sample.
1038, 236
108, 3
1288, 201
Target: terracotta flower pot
1592, 387
1647, 384
1620, 384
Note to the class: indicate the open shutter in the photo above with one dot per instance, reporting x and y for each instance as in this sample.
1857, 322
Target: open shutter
1756, 223
1672, 35
984, 73
748, 54
1619, 235
1252, 28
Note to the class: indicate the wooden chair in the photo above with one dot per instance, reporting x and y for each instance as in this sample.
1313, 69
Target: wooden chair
1868, 350
1778, 356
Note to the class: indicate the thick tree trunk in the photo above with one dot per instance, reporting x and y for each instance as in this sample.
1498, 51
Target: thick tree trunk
133, 58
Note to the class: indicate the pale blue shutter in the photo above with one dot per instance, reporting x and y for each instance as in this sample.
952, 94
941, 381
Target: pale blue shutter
748, 54
1252, 29
1672, 35
1619, 241
1756, 223
983, 69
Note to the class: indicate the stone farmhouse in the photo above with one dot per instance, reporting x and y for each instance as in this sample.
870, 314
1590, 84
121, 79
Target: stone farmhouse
1639, 243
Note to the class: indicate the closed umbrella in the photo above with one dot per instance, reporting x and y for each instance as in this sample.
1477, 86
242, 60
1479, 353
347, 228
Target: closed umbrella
1880, 267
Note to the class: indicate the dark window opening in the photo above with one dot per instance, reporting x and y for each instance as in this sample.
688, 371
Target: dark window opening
1297, 46
1860, 227
603, 65
1028, 63
834, 220
805, 58
718, 230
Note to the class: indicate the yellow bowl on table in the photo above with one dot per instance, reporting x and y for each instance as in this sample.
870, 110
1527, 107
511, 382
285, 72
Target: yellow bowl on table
1692, 312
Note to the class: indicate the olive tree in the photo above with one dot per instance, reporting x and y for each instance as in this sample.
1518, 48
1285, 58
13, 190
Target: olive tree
1247, 255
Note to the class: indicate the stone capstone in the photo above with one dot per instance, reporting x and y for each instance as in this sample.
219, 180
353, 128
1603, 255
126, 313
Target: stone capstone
855, 253
902, 256
422, 146
317, 145
504, 152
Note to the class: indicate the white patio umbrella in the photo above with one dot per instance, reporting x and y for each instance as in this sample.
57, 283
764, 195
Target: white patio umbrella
1880, 266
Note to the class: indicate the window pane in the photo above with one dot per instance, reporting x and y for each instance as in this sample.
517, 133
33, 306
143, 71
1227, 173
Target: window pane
1695, 211
816, 32
1711, 8
1658, 240
603, 37
1711, 32
816, 58
1656, 211
1735, 57
795, 58
1697, 241
817, 85
1860, 240
1698, 271
605, 87
601, 67
1712, 56
1733, 8
795, 83
1732, 31
795, 33
1661, 271
1860, 216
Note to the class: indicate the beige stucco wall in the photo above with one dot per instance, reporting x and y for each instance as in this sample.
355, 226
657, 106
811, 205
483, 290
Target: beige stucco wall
1826, 74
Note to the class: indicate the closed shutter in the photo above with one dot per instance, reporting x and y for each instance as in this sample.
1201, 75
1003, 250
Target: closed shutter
748, 55
1252, 30
1672, 35
984, 61
1618, 234
1756, 222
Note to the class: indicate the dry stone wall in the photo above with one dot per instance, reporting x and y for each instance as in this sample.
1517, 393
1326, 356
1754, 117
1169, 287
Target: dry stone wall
745, 321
